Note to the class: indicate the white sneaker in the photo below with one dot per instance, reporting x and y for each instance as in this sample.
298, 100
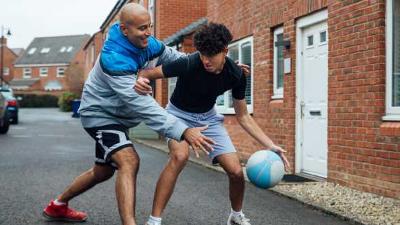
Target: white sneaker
238, 220
152, 223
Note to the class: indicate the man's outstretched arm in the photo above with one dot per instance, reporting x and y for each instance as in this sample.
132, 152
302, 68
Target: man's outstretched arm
252, 128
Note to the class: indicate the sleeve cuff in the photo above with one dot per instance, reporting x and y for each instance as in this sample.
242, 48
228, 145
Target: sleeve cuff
177, 130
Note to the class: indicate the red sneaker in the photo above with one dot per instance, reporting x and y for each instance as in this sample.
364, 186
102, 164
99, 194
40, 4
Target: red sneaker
63, 213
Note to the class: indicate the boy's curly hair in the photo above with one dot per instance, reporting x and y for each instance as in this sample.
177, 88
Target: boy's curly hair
212, 39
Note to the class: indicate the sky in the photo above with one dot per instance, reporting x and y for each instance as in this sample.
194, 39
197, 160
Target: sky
28, 19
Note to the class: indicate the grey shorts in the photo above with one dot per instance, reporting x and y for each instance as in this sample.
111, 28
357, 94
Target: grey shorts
215, 130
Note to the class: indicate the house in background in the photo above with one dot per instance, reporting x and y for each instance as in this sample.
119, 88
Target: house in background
324, 80
51, 65
9, 57
324, 85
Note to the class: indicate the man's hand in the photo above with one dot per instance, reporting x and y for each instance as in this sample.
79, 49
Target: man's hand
197, 140
278, 150
245, 68
142, 86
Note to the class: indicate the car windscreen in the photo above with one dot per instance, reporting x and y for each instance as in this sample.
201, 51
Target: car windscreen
7, 94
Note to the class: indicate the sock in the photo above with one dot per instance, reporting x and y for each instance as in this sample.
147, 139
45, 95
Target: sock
234, 213
56, 202
155, 220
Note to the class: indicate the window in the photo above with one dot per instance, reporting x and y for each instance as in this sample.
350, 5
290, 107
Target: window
241, 51
6, 71
27, 72
310, 41
63, 49
60, 71
43, 71
278, 65
171, 86
69, 49
31, 51
393, 60
172, 80
45, 50
322, 37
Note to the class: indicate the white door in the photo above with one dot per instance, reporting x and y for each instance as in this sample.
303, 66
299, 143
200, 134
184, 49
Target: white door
313, 97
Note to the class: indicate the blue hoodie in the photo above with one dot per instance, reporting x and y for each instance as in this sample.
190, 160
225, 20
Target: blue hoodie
108, 96
120, 57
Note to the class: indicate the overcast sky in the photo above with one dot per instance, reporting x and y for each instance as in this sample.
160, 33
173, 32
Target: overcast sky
28, 19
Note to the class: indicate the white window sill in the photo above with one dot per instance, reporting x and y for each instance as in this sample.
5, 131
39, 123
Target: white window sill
277, 96
231, 111
391, 118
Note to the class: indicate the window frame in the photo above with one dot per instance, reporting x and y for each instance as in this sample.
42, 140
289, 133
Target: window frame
58, 71
225, 109
6, 71
277, 92
41, 73
26, 71
31, 51
45, 50
392, 112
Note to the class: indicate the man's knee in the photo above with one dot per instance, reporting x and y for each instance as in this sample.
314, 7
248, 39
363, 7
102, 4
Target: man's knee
126, 159
102, 173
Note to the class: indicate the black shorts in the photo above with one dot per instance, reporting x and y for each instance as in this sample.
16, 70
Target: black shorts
109, 139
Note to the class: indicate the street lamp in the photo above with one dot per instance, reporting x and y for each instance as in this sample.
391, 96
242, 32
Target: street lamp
2, 52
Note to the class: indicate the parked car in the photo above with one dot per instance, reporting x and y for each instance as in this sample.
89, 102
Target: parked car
4, 120
12, 104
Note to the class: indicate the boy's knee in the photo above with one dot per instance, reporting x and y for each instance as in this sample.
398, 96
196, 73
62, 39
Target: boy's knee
180, 157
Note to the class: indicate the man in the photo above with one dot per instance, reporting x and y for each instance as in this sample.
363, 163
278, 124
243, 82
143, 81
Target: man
110, 106
202, 77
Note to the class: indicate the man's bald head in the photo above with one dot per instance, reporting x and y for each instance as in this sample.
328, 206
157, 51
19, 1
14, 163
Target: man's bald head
135, 24
131, 11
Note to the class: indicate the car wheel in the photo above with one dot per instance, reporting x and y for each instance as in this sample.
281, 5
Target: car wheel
5, 127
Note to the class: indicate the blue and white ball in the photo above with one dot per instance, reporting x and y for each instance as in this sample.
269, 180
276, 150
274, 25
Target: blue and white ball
265, 169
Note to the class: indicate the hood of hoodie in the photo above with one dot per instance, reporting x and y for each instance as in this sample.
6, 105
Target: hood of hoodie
119, 56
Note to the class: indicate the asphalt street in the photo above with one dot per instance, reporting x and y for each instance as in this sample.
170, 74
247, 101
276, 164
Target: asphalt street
40, 156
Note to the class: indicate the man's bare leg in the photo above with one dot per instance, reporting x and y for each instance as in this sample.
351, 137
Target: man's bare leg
85, 181
127, 161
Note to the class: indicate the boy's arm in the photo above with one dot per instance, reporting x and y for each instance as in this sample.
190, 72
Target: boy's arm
152, 74
172, 69
142, 85
252, 128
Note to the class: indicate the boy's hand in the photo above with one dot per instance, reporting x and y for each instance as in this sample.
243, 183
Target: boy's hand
142, 86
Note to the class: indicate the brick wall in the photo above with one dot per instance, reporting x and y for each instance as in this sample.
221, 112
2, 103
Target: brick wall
364, 151
170, 17
92, 51
9, 58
